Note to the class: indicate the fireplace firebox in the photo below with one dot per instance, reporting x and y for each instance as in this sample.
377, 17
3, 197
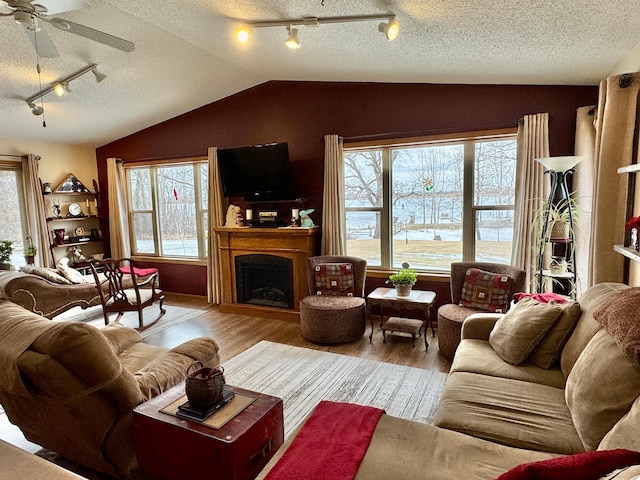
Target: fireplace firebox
264, 280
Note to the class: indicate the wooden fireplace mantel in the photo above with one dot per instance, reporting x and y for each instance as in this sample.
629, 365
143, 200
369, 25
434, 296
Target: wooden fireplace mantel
296, 244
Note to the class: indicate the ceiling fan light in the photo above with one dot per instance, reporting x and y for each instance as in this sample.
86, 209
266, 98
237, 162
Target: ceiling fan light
292, 41
391, 29
99, 76
243, 33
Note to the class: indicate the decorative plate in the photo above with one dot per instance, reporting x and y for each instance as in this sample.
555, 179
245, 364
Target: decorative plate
79, 231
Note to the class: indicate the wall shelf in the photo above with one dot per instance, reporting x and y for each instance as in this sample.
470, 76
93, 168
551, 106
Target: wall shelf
628, 252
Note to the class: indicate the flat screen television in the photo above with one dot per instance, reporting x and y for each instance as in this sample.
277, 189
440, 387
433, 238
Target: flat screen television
257, 172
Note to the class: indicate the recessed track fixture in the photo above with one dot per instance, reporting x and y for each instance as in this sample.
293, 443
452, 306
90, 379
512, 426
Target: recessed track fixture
62, 86
390, 28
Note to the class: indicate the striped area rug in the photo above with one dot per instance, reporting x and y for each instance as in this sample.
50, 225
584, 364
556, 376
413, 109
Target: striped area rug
302, 377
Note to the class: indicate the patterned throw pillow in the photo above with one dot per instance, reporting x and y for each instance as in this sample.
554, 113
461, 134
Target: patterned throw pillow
334, 279
486, 291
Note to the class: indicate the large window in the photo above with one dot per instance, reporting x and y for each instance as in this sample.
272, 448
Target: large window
168, 209
430, 203
11, 196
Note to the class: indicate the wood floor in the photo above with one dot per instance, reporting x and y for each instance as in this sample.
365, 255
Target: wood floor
236, 333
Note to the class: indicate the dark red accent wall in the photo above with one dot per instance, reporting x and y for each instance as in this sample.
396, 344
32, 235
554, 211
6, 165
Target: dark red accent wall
301, 113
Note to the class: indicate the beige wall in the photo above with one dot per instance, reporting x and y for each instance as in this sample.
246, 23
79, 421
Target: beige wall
57, 160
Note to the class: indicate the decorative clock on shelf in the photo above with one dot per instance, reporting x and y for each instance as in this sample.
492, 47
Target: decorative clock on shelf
75, 210
79, 231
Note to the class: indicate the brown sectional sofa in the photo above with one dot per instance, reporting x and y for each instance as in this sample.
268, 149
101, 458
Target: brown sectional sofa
494, 416
72, 388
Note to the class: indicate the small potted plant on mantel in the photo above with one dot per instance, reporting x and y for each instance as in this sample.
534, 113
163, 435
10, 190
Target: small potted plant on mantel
403, 280
6, 249
30, 251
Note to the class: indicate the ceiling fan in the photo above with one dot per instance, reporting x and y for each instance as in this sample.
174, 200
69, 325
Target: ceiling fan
29, 14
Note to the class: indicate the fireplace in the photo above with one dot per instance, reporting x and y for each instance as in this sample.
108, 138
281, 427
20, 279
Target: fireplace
264, 280
263, 270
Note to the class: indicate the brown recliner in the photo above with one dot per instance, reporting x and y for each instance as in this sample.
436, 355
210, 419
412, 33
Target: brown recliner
328, 319
72, 388
451, 315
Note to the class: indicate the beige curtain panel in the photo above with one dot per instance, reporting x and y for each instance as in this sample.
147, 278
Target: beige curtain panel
616, 133
532, 188
118, 210
583, 188
333, 216
216, 219
35, 215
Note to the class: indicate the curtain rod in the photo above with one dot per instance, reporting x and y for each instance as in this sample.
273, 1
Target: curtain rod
417, 133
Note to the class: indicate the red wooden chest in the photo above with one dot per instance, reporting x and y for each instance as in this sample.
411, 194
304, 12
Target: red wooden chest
168, 447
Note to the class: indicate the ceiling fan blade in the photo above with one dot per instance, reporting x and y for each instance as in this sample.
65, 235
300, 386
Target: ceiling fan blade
44, 46
92, 34
53, 7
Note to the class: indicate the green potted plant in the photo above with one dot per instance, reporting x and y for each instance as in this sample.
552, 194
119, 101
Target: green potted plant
6, 249
403, 280
30, 251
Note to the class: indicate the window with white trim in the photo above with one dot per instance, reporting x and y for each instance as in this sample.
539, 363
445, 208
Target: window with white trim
13, 226
168, 208
431, 202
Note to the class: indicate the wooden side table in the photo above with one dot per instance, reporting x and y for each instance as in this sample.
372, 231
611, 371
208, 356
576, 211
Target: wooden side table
421, 300
168, 447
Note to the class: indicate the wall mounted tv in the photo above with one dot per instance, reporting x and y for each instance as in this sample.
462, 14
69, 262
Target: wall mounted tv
257, 172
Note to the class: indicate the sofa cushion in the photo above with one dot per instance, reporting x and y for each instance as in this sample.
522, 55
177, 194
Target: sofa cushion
601, 388
477, 356
519, 331
586, 327
625, 433
619, 316
73, 275
548, 351
510, 412
486, 291
585, 466
334, 279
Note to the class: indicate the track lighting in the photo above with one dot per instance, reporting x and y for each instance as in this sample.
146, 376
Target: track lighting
62, 86
292, 41
391, 28
243, 33
35, 109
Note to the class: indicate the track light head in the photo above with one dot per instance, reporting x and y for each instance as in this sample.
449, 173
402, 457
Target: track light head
60, 89
35, 109
99, 76
391, 29
243, 33
292, 41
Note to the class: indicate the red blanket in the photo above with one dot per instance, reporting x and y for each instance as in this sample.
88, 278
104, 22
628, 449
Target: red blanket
331, 444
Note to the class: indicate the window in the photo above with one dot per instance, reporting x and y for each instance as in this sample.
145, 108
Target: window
12, 226
431, 202
169, 208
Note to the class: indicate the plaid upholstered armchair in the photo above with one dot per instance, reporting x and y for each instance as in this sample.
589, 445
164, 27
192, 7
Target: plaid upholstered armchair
479, 299
335, 310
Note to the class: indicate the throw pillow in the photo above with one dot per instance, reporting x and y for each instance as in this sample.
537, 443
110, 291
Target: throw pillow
548, 351
486, 291
585, 466
334, 279
50, 274
546, 297
71, 274
619, 316
519, 331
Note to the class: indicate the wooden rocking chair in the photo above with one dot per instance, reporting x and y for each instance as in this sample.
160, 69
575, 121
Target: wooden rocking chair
122, 290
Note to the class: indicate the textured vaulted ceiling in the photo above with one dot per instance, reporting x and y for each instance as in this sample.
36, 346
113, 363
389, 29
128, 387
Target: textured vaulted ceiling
186, 55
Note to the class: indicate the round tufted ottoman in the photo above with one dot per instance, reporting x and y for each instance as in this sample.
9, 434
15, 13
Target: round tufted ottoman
332, 319
450, 318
